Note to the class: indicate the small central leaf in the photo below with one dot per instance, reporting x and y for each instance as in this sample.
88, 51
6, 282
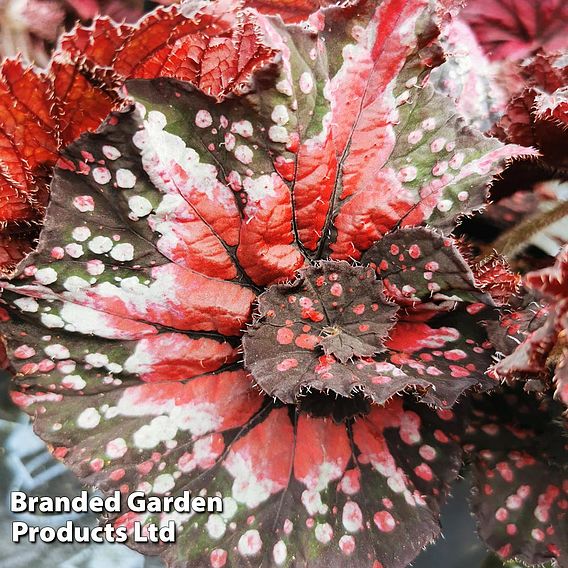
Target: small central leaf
316, 331
344, 346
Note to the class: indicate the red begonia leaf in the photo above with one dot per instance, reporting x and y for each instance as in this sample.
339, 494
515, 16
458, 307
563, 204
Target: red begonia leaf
526, 336
513, 29
429, 171
517, 122
43, 111
96, 43
81, 101
547, 72
28, 140
106, 256
526, 121
216, 48
551, 282
536, 113
553, 106
540, 336
518, 447
40, 112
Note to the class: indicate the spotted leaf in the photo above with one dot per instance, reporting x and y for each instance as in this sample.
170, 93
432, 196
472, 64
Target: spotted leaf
469, 77
217, 48
447, 353
420, 264
332, 315
518, 445
348, 493
133, 331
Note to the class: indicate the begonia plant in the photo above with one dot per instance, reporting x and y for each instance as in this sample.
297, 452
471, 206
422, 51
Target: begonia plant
252, 279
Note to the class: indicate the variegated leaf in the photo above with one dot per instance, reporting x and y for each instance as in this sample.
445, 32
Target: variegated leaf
166, 225
518, 446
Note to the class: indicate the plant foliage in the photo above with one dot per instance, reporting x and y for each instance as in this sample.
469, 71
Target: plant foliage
252, 279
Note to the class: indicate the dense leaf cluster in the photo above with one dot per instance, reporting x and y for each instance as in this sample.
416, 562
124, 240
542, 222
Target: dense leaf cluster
279, 261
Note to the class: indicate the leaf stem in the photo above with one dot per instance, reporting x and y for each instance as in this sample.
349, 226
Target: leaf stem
518, 237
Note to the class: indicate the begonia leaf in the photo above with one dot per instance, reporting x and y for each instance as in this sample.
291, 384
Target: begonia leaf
538, 114
217, 48
518, 445
546, 71
513, 29
469, 77
184, 213
296, 489
332, 315
419, 264
28, 140
39, 113
540, 335
450, 353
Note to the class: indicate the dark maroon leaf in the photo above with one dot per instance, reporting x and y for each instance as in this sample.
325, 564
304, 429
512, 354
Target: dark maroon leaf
320, 332
420, 264
519, 447
524, 123
542, 339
